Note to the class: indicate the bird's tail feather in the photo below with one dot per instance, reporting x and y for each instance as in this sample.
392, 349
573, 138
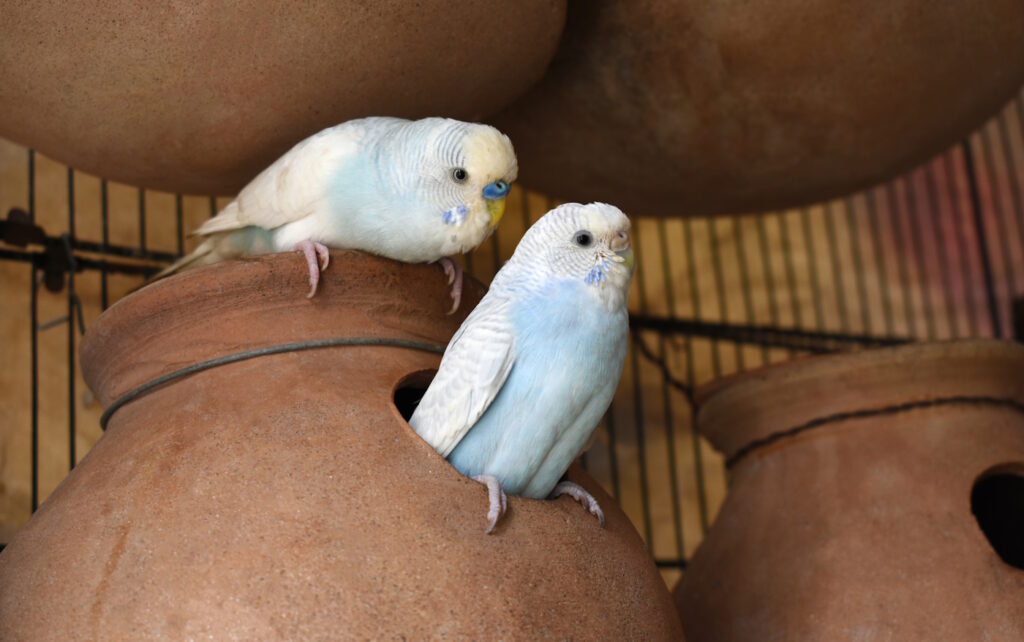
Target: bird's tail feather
226, 220
212, 250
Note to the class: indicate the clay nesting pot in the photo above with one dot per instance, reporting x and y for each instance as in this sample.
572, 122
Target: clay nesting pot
198, 97
853, 483
284, 497
687, 108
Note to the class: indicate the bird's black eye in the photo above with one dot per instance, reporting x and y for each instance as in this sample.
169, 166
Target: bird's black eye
583, 238
460, 175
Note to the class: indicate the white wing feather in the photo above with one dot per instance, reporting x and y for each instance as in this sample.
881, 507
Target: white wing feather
473, 370
293, 187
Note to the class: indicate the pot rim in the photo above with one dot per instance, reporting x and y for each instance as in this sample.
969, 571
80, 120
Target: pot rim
739, 412
258, 303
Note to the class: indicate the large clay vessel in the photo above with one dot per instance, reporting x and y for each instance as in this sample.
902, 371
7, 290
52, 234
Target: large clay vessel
199, 96
874, 496
694, 107
284, 497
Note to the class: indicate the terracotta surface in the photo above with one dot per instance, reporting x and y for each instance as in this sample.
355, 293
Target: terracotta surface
861, 528
684, 108
200, 96
284, 498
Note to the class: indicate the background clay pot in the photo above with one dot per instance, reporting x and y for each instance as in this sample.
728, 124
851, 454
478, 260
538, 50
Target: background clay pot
685, 108
862, 528
200, 96
284, 497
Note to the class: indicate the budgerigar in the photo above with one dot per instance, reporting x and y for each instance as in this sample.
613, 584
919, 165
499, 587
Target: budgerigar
526, 379
414, 191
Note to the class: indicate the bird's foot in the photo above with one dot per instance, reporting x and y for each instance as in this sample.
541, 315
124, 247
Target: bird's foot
454, 273
577, 492
496, 497
317, 259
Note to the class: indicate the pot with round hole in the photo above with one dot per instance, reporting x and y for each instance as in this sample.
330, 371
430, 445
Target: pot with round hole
876, 495
280, 494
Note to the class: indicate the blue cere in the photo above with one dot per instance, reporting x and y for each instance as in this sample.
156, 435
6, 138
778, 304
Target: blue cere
497, 189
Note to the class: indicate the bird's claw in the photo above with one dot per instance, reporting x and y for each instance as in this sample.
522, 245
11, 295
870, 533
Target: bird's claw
318, 257
454, 273
497, 500
580, 494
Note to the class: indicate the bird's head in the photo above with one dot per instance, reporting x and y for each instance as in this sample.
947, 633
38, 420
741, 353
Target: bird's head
589, 243
479, 165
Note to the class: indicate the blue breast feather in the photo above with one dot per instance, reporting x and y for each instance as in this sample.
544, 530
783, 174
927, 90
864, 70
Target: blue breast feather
569, 355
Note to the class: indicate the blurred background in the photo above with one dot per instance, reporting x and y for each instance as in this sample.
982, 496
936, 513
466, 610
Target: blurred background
796, 186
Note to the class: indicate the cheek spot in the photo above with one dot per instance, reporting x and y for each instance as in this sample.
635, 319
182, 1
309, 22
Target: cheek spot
456, 215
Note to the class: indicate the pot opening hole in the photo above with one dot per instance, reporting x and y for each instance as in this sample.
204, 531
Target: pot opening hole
410, 390
997, 501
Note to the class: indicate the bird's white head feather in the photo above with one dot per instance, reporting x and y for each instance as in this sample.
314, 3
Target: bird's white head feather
588, 243
461, 174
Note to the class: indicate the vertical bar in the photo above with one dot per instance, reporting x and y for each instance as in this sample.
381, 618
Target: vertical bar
1018, 319
917, 247
497, 253
953, 193
979, 231
104, 216
670, 299
879, 248
858, 267
142, 221
748, 303
1019, 103
897, 231
613, 462
812, 269
723, 309
213, 206
773, 304
837, 279
179, 215
71, 323
934, 213
787, 254
716, 363
641, 448
638, 407
32, 185
1013, 178
698, 458
34, 337
34, 347
1000, 212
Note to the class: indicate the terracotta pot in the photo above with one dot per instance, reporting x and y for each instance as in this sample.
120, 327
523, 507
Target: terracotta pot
695, 107
200, 96
853, 481
284, 497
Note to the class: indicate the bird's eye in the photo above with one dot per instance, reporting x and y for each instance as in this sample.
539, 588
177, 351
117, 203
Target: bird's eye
460, 175
583, 238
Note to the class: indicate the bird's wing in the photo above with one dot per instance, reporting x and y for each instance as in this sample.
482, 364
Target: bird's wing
473, 370
294, 186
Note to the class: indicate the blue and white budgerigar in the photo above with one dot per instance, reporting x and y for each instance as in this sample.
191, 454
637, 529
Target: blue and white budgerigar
414, 191
531, 371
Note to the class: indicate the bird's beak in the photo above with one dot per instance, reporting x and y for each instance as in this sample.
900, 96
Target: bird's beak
496, 208
495, 194
622, 248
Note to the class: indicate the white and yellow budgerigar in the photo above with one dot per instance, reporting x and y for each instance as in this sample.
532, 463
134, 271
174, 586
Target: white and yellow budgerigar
415, 191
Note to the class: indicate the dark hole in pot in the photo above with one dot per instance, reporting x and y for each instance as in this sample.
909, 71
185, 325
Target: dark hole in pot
410, 390
997, 501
